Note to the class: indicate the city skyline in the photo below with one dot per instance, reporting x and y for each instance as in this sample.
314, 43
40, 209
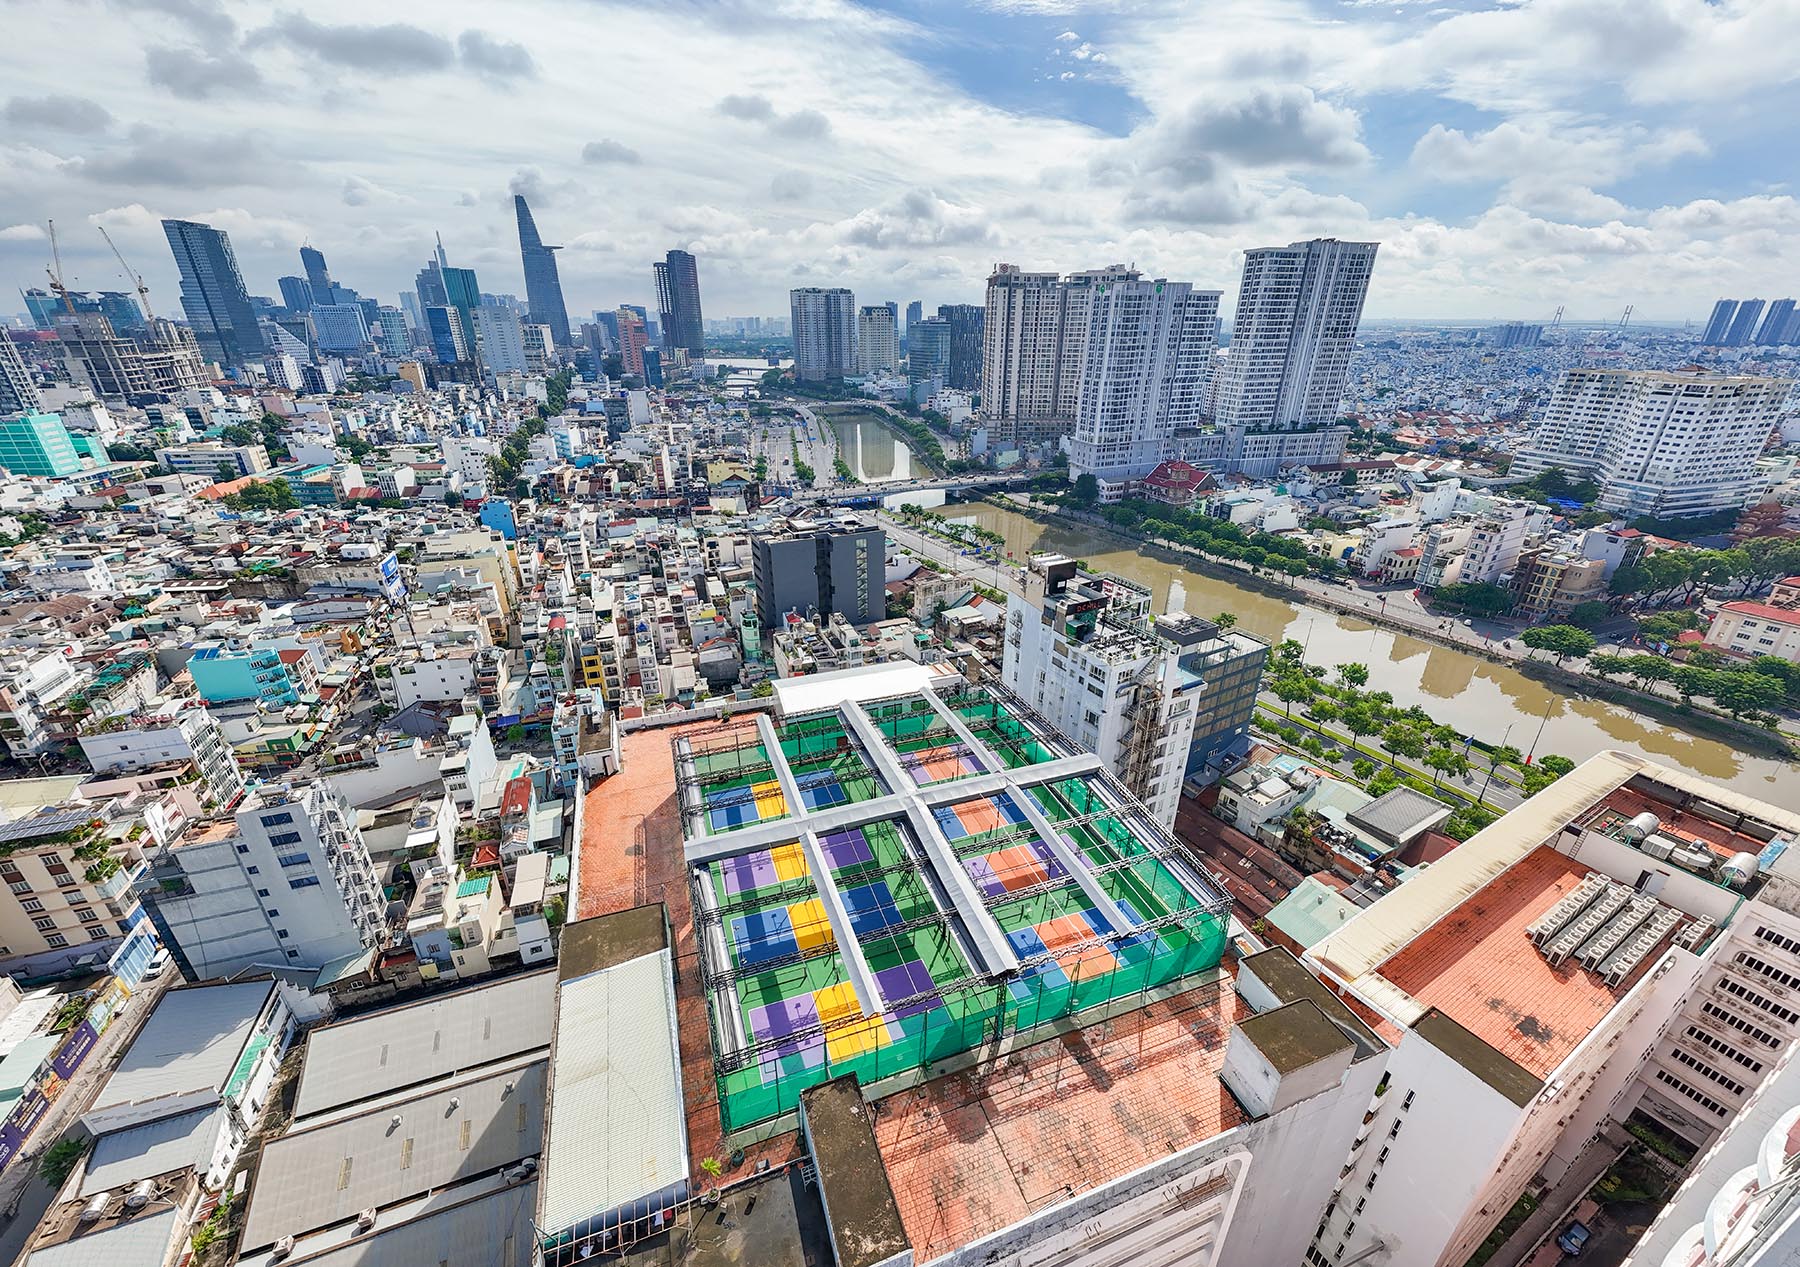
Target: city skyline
1501, 182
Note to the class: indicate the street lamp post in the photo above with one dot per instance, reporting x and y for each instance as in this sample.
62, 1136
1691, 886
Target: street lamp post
1549, 700
1482, 795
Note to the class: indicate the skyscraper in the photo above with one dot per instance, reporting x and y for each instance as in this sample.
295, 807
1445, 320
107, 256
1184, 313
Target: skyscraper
877, 342
213, 293
543, 288
1720, 324
928, 349
1034, 337
678, 299
1658, 442
915, 311
18, 391
963, 370
463, 293
391, 326
824, 329
1774, 330
296, 293
1297, 313
37, 444
502, 340
1744, 324
340, 327
634, 337
448, 339
1149, 348
312, 263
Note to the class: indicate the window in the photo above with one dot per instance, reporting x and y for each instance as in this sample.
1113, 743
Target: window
293, 954
1723, 1048
1768, 970
286, 838
243, 848
281, 932
44, 924
1407, 1102
1698, 1097
273, 911
98, 933
262, 893
1756, 1000
294, 859
1781, 940
1738, 1023
254, 870
275, 820
32, 904
57, 940
304, 882
20, 886
87, 917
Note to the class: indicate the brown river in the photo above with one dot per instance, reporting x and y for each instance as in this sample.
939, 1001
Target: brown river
1461, 690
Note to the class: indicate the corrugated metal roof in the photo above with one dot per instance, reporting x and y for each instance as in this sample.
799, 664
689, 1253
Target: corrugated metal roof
143, 1242
410, 1045
472, 1233
191, 1042
620, 1124
320, 1175
121, 1158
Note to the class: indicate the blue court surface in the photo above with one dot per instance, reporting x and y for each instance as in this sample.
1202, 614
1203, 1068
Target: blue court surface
823, 794
763, 935
872, 909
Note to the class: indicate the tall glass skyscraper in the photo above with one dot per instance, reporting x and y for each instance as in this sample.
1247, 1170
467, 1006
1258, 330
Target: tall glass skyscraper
312, 260
678, 298
543, 288
213, 293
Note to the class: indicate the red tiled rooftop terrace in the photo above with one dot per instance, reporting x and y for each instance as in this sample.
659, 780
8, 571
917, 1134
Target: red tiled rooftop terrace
1681, 825
1478, 967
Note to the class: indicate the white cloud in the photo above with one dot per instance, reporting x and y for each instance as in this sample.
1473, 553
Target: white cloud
22, 233
815, 140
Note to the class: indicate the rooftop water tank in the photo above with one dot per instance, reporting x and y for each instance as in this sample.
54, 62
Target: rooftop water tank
1641, 826
1739, 870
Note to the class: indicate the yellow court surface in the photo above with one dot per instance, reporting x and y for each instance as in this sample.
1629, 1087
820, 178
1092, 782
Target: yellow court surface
790, 860
813, 930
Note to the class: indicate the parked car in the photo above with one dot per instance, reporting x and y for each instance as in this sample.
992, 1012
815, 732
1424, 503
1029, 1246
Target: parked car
1573, 1238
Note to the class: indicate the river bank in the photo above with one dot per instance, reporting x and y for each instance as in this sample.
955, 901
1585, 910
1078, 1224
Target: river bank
1509, 700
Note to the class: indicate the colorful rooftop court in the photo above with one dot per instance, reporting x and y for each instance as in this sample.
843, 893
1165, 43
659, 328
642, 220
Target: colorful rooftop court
884, 884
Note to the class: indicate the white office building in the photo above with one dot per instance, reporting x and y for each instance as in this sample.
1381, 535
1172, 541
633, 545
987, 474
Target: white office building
877, 340
291, 885
824, 332
1034, 348
502, 340
1081, 650
1297, 313
1659, 442
1148, 350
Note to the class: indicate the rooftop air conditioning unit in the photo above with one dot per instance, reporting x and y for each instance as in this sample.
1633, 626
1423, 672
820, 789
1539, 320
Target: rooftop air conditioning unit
283, 1248
365, 1219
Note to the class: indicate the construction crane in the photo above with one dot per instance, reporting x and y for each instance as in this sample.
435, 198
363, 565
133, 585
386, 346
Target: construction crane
137, 279
1626, 319
56, 281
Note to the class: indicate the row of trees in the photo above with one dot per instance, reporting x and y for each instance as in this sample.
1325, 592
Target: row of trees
1216, 538
1679, 577
1410, 733
971, 535
1752, 690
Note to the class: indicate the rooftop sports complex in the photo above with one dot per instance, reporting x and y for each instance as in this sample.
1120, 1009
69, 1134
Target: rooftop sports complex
880, 884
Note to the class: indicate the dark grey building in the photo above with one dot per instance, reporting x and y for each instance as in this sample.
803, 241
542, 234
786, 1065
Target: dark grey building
1230, 666
18, 391
915, 312
1744, 324
837, 566
213, 294
312, 262
962, 372
296, 293
678, 300
1720, 324
543, 287
928, 350
1775, 326
824, 326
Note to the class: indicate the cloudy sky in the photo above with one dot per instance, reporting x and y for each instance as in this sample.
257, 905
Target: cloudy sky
1509, 157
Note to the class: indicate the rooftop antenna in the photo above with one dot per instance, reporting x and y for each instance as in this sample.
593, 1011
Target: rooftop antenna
56, 281
137, 279
443, 262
